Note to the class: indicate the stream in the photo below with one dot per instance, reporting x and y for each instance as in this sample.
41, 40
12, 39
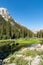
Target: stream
1, 62
34, 45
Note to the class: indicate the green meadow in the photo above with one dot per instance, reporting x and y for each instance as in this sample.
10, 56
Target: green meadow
21, 41
24, 41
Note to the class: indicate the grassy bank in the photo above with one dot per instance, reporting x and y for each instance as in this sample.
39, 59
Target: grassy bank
28, 41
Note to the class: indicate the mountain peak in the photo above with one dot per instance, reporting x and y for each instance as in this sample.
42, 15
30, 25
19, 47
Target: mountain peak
5, 14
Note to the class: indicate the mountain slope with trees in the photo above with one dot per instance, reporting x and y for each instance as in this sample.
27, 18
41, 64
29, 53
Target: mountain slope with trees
11, 29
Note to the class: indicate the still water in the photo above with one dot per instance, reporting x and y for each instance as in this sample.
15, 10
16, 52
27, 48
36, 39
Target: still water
1, 63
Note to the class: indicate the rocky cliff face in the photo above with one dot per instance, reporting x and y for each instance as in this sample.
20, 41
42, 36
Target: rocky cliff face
5, 14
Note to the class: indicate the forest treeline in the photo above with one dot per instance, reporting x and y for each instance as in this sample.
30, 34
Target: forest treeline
11, 30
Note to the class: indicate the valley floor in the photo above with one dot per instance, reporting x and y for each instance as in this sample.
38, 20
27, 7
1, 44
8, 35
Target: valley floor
30, 53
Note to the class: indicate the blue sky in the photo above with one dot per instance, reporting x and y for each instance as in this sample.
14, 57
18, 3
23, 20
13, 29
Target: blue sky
26, 12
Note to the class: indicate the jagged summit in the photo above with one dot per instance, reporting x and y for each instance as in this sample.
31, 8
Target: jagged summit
5, 14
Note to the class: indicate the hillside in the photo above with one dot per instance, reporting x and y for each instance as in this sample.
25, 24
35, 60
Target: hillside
11, 29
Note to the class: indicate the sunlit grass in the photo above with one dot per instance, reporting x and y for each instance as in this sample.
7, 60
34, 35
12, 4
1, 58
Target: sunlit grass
29, 41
